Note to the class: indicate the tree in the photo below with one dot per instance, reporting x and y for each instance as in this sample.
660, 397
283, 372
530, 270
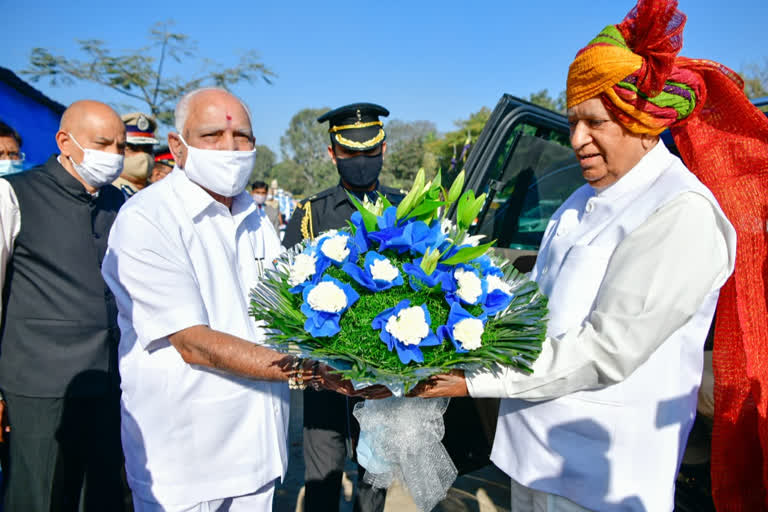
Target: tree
305, 142
407, 152
262, 167
756, 80
141, 74
403, 132
451, 145
290, 176
543, 99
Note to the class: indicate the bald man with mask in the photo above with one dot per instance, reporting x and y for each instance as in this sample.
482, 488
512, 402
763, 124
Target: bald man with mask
59, 335
204, 405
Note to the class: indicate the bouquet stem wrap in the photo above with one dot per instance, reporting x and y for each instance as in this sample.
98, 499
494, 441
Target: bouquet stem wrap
400, 439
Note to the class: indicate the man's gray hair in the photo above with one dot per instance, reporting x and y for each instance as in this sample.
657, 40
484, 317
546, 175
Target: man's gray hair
182, 107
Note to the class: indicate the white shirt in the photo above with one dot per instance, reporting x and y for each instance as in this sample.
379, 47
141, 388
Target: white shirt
178, 258
10, 225
647, 293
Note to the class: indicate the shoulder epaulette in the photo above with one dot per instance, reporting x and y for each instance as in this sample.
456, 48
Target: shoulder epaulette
321, 194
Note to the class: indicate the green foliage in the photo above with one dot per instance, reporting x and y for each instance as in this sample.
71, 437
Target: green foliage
467, 254
290, 176
305, 143
756, 81
141, 74
406, 152
468, 208
369, 218
410, 200
265, 161
543, 99
444, 147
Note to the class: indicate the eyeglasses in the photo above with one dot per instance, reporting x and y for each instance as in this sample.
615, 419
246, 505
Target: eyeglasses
11, 155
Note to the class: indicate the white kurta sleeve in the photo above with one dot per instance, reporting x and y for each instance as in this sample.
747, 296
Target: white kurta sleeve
656, 280
149, 273
10, 225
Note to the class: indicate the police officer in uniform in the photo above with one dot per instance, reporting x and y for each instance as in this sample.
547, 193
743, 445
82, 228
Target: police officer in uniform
357, 148
139, 158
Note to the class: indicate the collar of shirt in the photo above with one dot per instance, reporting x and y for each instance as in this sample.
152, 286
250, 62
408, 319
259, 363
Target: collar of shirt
645, 172
67, 181
197, 200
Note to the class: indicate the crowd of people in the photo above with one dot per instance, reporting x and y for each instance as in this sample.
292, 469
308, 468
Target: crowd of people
133, 377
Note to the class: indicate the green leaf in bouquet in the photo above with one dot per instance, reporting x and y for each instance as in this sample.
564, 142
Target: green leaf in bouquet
429, 260
455, 192
463, 220
426, 210
384, 200
434, 190
466, 254
369, 218
409, 201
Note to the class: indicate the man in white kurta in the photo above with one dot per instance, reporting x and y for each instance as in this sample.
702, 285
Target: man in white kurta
632, 263
204, 407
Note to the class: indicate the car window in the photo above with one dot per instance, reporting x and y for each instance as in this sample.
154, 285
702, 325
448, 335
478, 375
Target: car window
534, 172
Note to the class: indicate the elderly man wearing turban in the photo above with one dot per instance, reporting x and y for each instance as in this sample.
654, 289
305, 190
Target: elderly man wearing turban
633, 263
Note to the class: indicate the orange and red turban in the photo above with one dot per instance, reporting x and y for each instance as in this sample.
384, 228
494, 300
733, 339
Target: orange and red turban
723, 139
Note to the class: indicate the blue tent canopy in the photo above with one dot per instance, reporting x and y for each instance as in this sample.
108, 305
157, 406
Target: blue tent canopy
32, 114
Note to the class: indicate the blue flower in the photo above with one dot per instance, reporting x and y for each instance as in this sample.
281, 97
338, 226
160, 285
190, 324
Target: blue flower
407, 235
464, 330
388, 219
419, 279
405, 329
499, 295
323, 305
360, 239
414, 236
377, 273
466, 286
485, 265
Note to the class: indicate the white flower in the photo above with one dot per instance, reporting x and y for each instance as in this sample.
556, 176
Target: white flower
470, 286
335, 247
302, 268
497, 283
384, 270
469, 333
472, 241
376, 208
409, 326
446, 226
327, 297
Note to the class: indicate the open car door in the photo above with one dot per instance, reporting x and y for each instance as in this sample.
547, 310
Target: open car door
524, 162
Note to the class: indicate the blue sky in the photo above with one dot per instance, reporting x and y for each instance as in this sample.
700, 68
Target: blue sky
424, 60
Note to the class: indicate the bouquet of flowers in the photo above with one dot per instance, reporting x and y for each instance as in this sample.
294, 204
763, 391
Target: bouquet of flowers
397, 296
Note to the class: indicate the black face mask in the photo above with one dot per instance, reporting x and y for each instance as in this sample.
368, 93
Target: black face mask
360, 171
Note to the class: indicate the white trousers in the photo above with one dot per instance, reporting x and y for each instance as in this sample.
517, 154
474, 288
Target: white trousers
259, 501
525, 499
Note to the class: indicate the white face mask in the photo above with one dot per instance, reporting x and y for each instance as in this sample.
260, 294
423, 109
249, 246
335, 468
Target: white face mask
222, 172
259, 198
10, 167
98, 168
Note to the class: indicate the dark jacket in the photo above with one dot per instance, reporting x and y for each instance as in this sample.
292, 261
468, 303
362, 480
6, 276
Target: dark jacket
330, 209
59, 317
